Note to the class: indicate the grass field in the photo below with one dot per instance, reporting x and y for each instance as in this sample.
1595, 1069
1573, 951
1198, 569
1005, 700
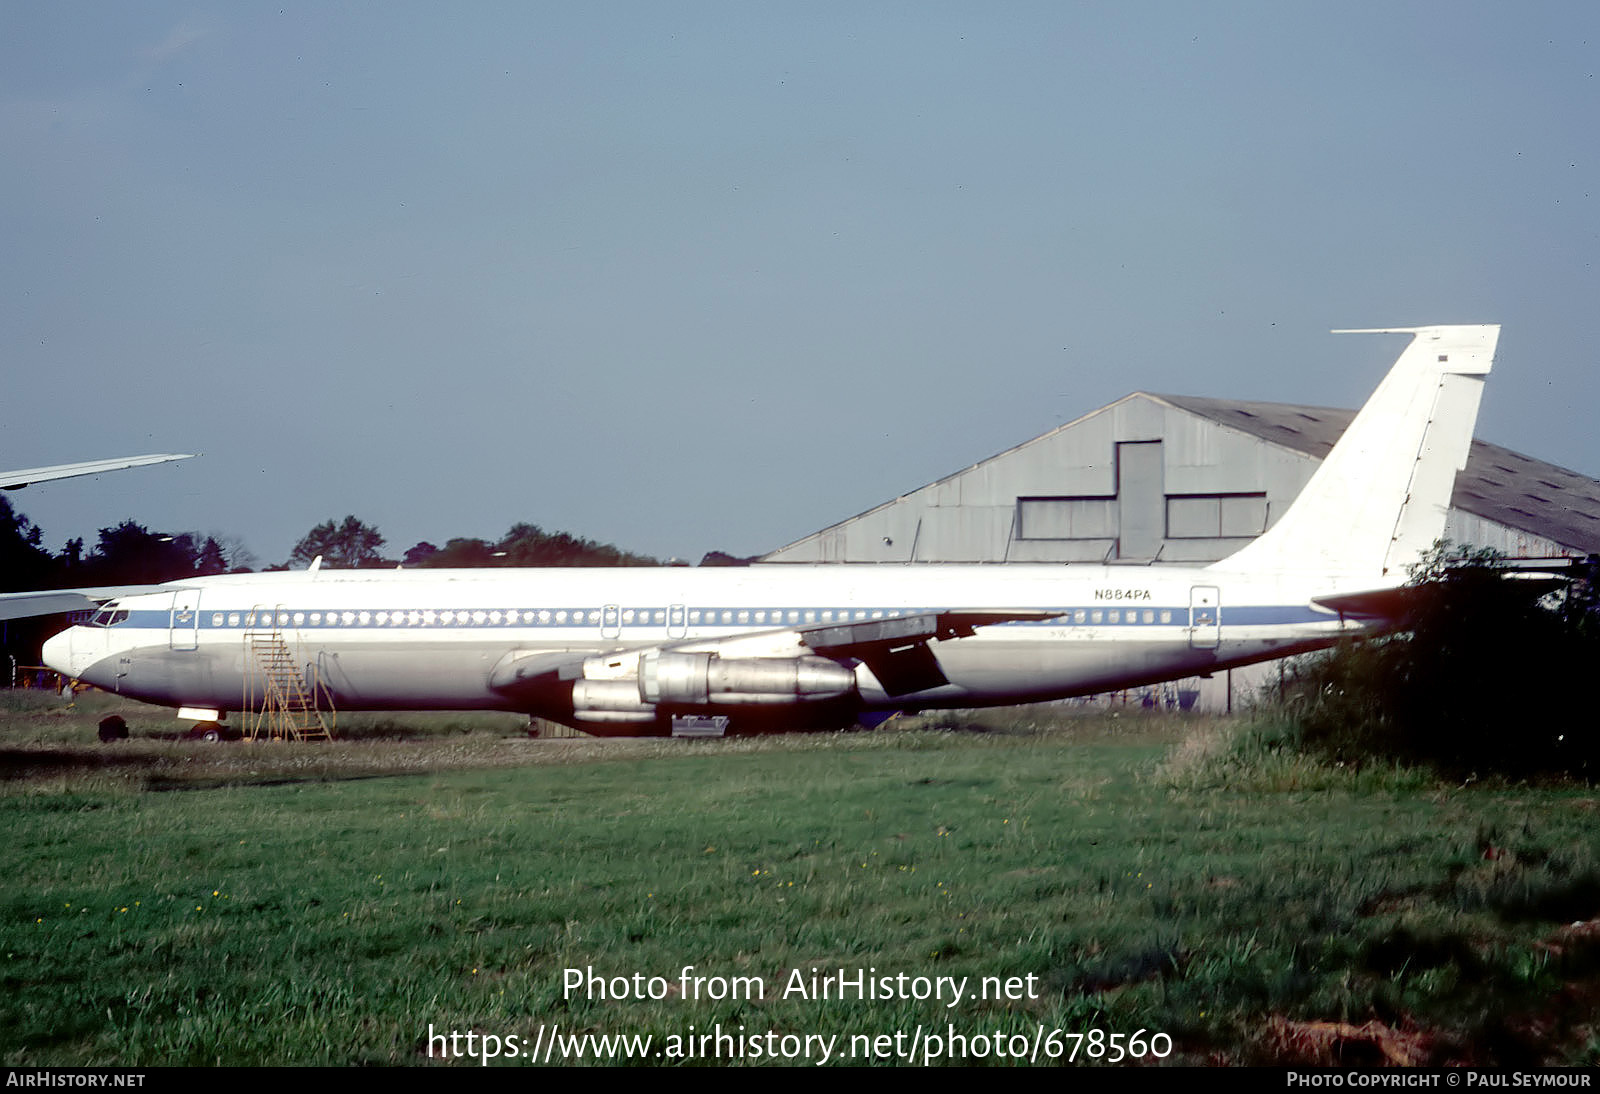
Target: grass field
173, 902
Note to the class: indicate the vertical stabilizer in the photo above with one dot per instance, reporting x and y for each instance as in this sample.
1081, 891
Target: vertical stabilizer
1380, 498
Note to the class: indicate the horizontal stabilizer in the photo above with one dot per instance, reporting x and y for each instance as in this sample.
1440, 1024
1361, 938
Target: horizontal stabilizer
1391, 603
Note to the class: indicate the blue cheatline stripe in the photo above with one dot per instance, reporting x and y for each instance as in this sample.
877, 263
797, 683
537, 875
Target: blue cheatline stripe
656, 618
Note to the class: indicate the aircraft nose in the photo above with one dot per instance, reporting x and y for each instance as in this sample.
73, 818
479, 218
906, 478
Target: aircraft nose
58, 653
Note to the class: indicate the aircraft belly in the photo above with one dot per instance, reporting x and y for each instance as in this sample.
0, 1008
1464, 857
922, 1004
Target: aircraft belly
1003, 670
375, 677
445, 676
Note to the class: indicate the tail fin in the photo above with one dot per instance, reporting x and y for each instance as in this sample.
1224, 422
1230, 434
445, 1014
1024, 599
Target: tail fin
1380, 498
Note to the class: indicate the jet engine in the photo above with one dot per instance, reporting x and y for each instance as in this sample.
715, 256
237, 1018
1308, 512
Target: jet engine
696, 679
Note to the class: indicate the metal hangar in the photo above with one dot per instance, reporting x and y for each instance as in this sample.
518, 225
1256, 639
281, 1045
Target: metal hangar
1154, 479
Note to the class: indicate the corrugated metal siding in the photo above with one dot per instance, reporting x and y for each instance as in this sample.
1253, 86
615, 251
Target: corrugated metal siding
1047, 500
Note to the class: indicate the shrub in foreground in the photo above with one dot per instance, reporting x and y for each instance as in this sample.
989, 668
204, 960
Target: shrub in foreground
1492, 675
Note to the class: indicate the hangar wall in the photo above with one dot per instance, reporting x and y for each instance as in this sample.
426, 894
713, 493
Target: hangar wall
1104, 488
1176, 479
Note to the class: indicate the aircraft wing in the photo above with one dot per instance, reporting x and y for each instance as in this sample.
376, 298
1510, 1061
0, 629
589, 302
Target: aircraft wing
16, 480
894, 648
58, 601
849, 638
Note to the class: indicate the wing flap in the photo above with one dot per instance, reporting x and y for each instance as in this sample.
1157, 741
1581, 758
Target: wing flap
830, 639
896, 650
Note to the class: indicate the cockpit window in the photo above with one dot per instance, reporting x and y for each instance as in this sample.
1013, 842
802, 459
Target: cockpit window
109, 616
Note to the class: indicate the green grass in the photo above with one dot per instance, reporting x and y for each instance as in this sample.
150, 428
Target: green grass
180, 903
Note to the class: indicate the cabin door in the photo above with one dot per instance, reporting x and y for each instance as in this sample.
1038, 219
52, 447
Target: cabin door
1205, 617
185, 622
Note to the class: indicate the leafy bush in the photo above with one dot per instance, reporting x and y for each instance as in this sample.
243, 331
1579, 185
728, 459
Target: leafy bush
1490, 675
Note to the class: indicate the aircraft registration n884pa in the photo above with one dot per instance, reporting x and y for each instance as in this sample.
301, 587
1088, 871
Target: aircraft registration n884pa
623, 651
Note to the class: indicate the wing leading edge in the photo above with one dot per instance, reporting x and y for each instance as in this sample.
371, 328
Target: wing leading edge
16, 480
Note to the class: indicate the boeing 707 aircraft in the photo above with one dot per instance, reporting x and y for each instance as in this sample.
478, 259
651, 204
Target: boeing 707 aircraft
625, 651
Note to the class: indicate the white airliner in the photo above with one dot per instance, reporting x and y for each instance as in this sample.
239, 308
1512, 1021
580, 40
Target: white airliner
626, 651
16, 480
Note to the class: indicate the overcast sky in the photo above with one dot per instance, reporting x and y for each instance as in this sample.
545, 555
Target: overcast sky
693, 276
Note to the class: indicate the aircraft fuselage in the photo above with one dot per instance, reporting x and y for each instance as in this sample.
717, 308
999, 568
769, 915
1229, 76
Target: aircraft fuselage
422, 639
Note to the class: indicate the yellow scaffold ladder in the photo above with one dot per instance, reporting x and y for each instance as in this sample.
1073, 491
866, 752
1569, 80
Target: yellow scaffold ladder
280, 704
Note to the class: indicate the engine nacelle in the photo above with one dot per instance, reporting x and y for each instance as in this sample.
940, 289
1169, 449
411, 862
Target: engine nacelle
694, 679
610, 701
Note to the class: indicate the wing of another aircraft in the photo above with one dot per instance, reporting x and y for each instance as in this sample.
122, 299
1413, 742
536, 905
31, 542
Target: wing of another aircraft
57, 601
16, 480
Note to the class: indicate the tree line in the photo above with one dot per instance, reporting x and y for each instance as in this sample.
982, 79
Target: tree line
351, 544
131, 554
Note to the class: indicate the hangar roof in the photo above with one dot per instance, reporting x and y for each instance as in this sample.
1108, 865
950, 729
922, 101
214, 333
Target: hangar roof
1497, 484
